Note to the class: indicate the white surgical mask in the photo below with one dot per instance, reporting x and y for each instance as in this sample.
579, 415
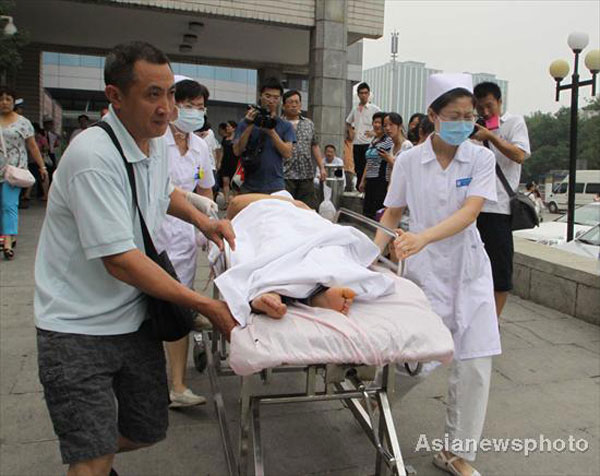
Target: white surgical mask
189, 120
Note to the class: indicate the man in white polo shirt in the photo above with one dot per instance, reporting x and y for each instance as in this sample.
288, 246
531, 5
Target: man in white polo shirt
104, 379
506, 136
359, 124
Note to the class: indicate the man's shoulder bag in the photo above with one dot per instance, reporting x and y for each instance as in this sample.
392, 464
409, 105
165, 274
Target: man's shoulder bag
251, 157
168, 321
522, 210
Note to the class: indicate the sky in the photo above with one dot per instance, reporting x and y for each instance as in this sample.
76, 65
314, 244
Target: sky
515, 40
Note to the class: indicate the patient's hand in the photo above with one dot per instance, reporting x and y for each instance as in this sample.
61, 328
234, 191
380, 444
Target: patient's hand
219, 314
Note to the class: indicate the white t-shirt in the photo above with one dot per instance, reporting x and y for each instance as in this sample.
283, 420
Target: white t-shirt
334, 161
361, 117
513, 130
213, 145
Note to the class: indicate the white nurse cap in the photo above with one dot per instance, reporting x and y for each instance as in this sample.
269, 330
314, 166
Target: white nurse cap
441, 83
179, 78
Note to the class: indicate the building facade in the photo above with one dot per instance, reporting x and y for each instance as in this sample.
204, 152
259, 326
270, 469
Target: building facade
411, 81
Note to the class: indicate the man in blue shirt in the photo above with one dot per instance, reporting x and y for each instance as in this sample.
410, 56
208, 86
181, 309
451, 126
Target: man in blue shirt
266, 146
104, 377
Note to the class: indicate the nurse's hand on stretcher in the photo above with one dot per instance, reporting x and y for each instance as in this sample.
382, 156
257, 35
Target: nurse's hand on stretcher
220, 316
407, 243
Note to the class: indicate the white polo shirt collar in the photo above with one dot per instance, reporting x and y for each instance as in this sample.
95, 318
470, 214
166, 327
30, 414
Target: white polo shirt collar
132, 152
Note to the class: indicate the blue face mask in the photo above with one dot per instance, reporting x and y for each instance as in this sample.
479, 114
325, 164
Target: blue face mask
455, 132
189, 120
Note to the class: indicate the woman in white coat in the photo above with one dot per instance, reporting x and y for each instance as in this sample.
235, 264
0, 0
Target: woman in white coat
444, 182
189, 169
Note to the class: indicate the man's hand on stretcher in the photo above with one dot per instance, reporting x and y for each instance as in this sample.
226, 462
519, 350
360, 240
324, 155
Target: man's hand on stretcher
215, 230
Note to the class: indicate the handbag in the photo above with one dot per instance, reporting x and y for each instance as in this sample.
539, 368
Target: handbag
15, 176
168, 321
522, 210
18, 177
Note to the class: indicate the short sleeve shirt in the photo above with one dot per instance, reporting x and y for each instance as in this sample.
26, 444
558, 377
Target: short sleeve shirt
269, 175
513, 129
301, 164
433, 194
90, 215
13, 150
376, 165
213, 145
362, 119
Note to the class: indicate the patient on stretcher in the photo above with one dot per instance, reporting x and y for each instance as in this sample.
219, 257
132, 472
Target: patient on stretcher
287, 253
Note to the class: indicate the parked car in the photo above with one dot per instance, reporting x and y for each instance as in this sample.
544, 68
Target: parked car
587, 244
587, 185
555, 232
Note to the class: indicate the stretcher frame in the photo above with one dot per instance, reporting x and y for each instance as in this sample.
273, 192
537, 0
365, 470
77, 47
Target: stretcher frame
341, 382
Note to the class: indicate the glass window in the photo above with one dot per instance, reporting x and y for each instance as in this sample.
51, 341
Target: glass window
586, 215
223, 74
561, 188
69, 60
578, 187
188, 70
91, 61
239, 75
49, 58
252, 76
207, 72
176, 68
592, 188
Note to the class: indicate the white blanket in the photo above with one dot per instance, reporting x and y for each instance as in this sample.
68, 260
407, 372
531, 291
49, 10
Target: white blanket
400, 327
284, 249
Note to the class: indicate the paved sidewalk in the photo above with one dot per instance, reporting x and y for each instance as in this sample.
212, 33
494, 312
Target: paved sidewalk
547, 382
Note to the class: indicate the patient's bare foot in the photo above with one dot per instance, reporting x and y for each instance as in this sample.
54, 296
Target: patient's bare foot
269, 304
338, 299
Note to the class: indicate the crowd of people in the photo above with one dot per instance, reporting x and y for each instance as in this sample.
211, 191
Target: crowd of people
443, 168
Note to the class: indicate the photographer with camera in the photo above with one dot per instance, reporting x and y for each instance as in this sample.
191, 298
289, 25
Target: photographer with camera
506, 136
264, 140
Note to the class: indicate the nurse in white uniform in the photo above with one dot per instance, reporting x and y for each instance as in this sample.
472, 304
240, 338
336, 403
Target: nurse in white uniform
444, 182
190, 170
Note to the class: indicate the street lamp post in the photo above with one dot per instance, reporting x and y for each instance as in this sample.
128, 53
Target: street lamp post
559, 69
394, 72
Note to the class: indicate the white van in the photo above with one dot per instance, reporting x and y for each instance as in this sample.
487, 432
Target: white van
587, 185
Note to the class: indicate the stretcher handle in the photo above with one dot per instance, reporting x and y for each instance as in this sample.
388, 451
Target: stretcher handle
396, 268
364, 219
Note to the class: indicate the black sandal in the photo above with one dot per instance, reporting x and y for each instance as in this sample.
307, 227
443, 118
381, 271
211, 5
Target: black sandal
9, 254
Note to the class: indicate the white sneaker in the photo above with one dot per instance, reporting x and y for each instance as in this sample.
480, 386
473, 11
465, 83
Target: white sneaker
185, 399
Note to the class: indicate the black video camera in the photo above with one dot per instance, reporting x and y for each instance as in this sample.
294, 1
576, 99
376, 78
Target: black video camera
263, 118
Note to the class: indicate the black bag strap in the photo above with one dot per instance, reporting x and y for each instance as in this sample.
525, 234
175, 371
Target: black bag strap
148, 243
500, 174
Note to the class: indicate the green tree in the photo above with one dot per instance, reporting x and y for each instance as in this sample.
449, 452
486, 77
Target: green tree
10, 58
549, 137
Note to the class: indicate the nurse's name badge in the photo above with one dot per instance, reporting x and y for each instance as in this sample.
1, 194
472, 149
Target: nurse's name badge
463, 182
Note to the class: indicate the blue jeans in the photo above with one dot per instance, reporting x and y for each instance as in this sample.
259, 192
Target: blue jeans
9, 218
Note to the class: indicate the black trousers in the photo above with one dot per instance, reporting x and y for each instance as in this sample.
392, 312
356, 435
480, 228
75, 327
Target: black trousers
359, 151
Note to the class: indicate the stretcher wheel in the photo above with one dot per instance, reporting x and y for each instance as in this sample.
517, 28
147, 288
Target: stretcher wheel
200, 359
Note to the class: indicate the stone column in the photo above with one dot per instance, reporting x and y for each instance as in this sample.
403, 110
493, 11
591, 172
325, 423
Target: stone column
29, 85
328, 71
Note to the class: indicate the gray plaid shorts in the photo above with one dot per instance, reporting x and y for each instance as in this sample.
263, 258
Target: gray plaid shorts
99, 387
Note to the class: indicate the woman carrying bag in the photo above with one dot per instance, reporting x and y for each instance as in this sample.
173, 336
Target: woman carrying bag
16, 139
444, 182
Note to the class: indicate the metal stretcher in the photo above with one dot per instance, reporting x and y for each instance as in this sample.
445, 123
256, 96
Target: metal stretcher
345, 383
